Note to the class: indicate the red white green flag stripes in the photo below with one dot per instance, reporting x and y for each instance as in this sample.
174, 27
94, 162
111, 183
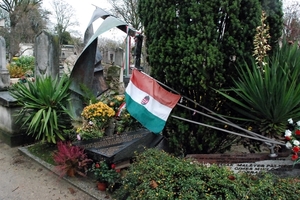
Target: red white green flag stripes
148, 102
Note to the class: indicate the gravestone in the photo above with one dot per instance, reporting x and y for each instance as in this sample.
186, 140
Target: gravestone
46, 55
120, 147
113, 79
4, 74
282, 165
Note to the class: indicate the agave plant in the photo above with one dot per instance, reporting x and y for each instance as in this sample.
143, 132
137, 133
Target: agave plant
271, 96
44, 112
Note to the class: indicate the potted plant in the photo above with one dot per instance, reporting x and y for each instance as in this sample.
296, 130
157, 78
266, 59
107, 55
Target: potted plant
123, 121
71, 160
105, 174
96, 118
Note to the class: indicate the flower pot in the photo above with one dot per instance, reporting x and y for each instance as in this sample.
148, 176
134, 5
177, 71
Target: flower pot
14, 80
101, 186
71, 172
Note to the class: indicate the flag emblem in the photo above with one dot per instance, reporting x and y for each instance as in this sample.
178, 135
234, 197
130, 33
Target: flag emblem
145, 100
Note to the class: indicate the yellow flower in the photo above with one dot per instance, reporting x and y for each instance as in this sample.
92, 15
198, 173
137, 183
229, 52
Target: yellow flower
97, 110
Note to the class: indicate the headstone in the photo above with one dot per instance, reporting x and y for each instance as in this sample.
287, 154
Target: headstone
120, 147
119, 57
46, 54
113, 79
250, 163
4, 74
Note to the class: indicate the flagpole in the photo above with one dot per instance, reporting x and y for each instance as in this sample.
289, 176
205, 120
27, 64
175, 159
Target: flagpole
213, 127
231, 124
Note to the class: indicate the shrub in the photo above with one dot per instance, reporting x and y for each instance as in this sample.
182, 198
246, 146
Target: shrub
21, 66
25, 62
15, 71
264, 102
44, 112
70, 159
158, 175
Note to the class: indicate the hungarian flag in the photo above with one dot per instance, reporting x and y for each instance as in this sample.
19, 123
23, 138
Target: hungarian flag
148, 102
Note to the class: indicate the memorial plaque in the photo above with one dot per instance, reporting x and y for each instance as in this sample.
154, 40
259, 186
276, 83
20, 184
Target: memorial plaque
249, 163
228, 158
120, 147
265, 165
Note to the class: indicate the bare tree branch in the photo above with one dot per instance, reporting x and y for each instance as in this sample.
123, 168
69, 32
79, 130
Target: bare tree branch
64, 15
127, 10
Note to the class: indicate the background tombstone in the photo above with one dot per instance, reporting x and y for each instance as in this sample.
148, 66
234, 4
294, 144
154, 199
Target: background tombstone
113, 79
4, 74
46, 54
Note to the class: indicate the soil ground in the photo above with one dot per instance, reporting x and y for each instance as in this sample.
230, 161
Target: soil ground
21, 178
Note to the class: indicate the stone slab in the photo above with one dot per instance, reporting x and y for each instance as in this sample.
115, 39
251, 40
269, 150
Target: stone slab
250, 163
120, 147
7, 100
259, 166
235, 157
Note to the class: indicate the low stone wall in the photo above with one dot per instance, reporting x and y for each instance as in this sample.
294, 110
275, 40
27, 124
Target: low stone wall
10, 131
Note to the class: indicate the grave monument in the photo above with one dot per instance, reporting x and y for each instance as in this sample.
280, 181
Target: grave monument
46, 55
46, 64
4, 74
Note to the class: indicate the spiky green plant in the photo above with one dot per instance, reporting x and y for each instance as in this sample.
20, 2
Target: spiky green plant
269, 97
44, 112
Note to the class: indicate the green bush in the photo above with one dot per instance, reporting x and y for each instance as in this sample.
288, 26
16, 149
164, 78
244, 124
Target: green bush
21, 66
44, 112
158, 175
26, 62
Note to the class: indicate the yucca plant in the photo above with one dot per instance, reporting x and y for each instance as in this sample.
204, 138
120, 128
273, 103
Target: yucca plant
270, 96
44, 112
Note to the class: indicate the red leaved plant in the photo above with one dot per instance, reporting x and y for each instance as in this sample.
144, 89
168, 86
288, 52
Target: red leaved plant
70, 160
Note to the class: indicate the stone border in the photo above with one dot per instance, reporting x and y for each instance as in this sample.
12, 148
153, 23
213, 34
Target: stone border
86, 185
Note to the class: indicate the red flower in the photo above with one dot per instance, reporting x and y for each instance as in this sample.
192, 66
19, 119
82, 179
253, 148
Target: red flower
294, 157
288, 138
118, 170
297, 132
97, 165
113, 166
296, 149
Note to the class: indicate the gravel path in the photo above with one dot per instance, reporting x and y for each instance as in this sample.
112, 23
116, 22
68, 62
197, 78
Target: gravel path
21, 178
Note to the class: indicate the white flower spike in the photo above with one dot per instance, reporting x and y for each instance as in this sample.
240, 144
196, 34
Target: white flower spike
290, 121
